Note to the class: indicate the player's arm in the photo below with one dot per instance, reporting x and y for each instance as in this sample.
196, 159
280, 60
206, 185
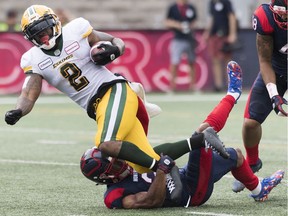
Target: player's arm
264, 45
30, 92
97, 36
173, 24
109, 52
153, 198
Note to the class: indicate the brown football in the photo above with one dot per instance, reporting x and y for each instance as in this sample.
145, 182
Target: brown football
95, 49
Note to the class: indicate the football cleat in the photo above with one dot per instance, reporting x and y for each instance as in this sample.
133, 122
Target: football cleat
174, 184
237, 186
212, 141
234, 73
267, 185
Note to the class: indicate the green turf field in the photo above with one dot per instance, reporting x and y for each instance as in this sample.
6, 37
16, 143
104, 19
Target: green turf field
39, 159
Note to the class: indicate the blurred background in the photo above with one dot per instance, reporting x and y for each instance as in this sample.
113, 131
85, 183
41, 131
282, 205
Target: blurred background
141, 24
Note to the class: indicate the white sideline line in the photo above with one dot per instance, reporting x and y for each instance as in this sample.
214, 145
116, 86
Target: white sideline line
59, 99
45, 130
211, 214
74, 164
37, 162
56, 142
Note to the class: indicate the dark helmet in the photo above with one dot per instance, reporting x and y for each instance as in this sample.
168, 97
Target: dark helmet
279, 8
103, 170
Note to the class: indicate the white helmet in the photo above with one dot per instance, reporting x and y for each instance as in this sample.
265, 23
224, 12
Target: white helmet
41, 26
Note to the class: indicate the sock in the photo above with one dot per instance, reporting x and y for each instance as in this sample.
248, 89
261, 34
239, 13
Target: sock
132, 153
252, 154
257, 190
245, 175
219, 115
178, 149
235, 95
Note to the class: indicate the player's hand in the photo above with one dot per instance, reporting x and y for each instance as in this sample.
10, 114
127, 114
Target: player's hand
108, 54
277, 102
12, 116
166, 163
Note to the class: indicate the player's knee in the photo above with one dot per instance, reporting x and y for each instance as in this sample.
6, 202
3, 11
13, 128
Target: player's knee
240, 157
250, 124
110, 148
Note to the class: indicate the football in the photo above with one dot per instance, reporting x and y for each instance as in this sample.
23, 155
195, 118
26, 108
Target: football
96, 49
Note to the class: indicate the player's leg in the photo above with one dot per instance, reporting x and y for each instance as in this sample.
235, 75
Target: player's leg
216, 119
258, 107
191, 57
116, 118
219, 115
259, 189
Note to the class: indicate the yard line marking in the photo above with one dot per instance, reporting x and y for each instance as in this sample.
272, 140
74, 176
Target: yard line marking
37, 162
211, 214
74, 164
56, 142
154, 138
47, 131
60, 99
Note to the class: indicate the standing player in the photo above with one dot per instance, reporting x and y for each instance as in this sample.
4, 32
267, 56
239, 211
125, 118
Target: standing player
270, 23
204, 168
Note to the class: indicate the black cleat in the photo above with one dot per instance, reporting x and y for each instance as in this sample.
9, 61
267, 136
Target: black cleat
212, 141
174, 185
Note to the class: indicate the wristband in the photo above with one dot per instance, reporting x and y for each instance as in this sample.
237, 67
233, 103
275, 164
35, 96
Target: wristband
272, 89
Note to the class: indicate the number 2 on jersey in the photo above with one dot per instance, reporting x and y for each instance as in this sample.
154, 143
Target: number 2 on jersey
71, 72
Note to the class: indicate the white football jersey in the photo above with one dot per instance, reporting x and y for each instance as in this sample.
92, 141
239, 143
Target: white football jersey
70, 69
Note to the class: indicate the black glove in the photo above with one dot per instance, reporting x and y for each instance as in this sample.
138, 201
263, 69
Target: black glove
166, 163
108, 54
277, 102
12, 116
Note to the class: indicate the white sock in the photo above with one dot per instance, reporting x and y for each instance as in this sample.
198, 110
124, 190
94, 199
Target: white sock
258, 189
235, 95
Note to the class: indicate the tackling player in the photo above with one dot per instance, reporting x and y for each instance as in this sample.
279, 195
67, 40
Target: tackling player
270, 23
204, 168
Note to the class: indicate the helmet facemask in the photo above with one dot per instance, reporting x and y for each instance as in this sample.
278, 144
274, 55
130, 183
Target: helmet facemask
41, 26
103, 170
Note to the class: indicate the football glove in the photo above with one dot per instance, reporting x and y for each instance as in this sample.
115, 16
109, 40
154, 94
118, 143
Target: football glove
277, 102
108, 54
12, 116
166, 164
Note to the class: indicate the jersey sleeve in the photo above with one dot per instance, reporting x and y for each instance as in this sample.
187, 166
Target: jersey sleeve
27, 65
113, 198
229, 7
260, 22
81, 26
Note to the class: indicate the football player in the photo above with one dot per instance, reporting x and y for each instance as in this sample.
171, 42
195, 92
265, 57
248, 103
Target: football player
129, 190
64, 56
270, 23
